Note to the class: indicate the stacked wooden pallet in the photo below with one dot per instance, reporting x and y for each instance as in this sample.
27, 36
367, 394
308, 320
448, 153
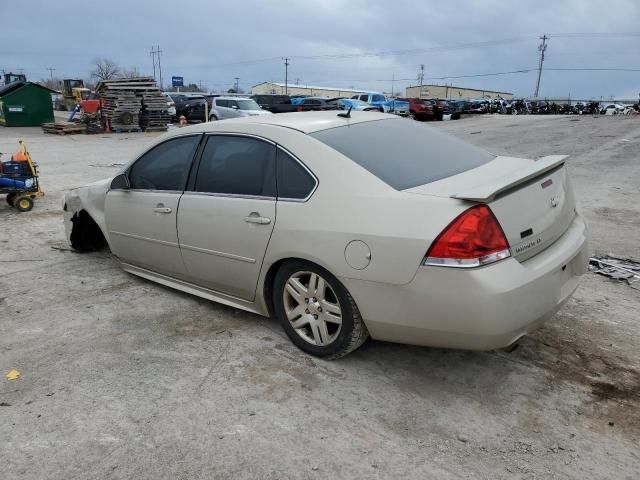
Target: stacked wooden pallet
130, 103
64, 128
155, 116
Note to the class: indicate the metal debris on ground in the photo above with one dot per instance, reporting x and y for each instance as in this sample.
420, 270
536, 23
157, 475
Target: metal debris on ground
616, 268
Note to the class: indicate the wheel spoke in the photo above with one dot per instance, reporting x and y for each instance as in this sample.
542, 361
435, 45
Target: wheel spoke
296, 290
332, 318
321, 289
323, 331
316, 333
301, 322
313, 282
295, 313
331, 308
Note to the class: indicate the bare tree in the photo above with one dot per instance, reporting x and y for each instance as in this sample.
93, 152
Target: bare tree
130, 73
52, 83
105, 69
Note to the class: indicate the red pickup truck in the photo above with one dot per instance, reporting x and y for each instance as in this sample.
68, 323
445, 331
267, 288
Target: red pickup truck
420, 109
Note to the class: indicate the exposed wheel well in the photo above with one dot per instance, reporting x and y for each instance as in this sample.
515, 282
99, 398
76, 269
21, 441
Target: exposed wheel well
86, 235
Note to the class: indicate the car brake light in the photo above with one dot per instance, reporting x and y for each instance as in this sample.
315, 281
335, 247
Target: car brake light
299, 108
473, 239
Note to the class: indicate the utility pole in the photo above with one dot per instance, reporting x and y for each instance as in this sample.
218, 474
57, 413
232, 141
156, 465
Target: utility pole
158, 51
153, 59
421, 76
51, 71
393, 81
236, 85
286, 76
541, 48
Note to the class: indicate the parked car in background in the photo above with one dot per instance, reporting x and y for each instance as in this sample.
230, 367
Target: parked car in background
234, 107
305, 218
346, 103
307, 104
611, 109
378, 100
419, 109
440, 108
171, 106
189, 105
265, 101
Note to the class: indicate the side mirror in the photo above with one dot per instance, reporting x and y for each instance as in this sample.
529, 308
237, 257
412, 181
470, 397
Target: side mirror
120, 182
235, 107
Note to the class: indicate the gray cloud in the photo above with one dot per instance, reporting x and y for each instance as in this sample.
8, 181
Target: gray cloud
204, 40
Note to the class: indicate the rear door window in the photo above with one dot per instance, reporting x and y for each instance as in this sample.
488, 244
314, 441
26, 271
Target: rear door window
237, 165
403, 153
378, 98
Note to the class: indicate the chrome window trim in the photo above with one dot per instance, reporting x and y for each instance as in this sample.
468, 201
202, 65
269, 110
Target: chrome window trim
229, 195
313, 190
127, 168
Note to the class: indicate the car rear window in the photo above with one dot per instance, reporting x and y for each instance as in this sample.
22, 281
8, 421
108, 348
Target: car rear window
403, 153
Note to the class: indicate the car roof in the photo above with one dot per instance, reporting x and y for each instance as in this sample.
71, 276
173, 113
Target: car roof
233, 98
306, 122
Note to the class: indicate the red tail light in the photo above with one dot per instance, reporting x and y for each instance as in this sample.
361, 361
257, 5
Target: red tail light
474, 238
299, 108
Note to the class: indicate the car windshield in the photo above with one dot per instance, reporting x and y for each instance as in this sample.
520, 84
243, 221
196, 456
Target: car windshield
403, 153
248, 105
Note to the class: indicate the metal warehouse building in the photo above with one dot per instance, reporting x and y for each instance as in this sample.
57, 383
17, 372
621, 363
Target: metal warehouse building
453, 93
267, 88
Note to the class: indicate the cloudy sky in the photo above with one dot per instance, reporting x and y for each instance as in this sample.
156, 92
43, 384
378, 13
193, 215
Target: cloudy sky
352, 43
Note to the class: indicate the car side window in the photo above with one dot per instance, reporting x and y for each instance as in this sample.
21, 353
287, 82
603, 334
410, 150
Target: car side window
364, 98
294, 181
221, 103
165, 166
231, 103
378, 98
237, 166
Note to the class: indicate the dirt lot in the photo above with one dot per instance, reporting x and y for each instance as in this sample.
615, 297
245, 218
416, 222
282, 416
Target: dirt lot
122, 378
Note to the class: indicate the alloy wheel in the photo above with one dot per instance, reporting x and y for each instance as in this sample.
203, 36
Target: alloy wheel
312, 308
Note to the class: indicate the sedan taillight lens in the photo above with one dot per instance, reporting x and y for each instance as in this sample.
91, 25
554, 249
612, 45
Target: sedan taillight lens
473, 239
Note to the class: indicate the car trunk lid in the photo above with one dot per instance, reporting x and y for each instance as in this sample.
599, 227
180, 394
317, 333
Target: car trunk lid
532, 199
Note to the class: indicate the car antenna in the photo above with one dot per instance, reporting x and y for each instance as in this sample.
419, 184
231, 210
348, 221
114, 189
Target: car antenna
346, 115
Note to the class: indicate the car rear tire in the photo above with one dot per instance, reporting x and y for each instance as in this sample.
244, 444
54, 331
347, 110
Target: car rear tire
212, 118
316, 311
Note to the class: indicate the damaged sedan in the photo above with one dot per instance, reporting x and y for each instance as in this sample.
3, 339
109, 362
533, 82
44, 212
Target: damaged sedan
344, 227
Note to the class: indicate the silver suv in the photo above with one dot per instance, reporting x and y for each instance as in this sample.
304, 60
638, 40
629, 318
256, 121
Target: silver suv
234, 107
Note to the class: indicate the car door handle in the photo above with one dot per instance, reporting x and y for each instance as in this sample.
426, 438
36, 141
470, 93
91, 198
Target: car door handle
160, 208
256, 218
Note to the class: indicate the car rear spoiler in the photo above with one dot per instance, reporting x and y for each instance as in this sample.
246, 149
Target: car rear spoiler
485, 192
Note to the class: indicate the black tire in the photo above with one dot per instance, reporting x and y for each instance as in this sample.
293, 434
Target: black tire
412, 116
212, 118
23, 203
353, 332
11, 197
126, 118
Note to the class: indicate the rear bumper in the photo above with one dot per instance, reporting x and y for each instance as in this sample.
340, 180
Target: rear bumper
478, 309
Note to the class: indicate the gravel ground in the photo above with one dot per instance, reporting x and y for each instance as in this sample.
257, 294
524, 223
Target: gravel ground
122, 378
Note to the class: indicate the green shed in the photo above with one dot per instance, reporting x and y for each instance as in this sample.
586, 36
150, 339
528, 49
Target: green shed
25, 104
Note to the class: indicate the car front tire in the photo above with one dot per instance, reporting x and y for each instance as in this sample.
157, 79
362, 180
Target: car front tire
316, 311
